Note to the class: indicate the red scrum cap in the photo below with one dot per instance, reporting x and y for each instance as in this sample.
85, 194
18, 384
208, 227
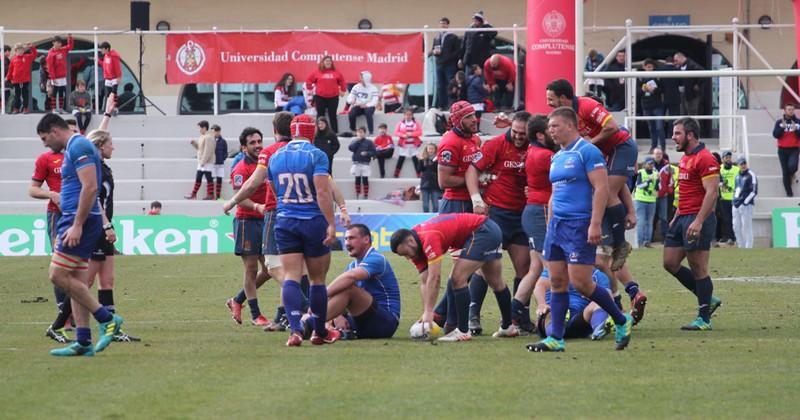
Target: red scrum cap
303, 126
458, 111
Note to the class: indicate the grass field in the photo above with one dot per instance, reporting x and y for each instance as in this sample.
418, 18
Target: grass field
195, 362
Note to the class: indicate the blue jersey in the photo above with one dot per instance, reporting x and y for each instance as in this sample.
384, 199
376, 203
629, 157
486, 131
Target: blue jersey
78, 154
291, 172
569, 169
577, 302
381, 284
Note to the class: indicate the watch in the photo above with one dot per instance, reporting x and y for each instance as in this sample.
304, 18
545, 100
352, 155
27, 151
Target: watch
108, 226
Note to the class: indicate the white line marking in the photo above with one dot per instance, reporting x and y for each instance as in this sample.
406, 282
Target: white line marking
770, 279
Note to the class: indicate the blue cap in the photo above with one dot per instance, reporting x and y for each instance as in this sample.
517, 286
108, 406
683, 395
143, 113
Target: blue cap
649, 160
727, 153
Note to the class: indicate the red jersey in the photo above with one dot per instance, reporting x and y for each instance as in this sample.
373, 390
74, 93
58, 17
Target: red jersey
48, 170
241, 173
384, 142
441, 233
506, 162
328, 83
692, 170
57, 60
263, 161
457, 152
112, 69
506, 70
537, 171
592, 117
19, 69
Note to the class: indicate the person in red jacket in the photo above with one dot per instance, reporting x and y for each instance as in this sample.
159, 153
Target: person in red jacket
329, 86
57, 68
112, 69
19, 74
408, 132
500, 73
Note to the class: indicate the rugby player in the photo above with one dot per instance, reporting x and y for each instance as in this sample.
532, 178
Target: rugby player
502, 158
78, 230
692, 229
479, 239
584, 318
580, 191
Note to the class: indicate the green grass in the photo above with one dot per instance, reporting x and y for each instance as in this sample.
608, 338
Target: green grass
194, 362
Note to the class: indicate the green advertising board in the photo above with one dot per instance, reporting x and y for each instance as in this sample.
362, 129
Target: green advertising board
786, 227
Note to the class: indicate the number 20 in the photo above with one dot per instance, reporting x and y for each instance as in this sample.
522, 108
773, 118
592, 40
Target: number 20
298, 182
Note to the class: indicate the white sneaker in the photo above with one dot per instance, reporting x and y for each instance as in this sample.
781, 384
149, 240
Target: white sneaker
510, 332
455, 336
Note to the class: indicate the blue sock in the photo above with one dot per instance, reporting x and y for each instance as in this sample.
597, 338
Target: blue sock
632, 289
461, 303
318, 296
520, 313
304, 285
254, 310
705, 288
517, 281
84, 336
452, 313
616, 220
60, 296
618, 301
504, 302
477, 293
598, 318
559, 304
686, 277
240, 297
102, 315
603, 298
292, 299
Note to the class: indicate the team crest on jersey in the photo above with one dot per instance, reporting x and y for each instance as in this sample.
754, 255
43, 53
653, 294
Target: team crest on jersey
569, 163
447, 156
238, 180
554, 23
190, 58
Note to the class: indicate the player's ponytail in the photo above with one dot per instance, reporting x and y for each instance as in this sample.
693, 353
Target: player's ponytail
99, 137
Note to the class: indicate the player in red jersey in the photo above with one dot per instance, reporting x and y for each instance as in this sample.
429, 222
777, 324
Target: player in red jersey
694, 225
597, 125
479, 239
502, 163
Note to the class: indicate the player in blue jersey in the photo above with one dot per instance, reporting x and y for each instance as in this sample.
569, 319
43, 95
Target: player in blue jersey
580, 191
305, 227
367, 291
78, 231
584, 318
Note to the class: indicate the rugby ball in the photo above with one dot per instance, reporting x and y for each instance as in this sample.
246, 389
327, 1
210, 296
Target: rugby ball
426, 331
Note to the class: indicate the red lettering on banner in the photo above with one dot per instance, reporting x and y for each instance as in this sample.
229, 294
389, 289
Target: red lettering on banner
265, 57
551, 49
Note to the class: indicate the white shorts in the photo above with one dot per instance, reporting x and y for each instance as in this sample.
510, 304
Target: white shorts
219, 171
361, 169
408, 150
208, 167
59, 82
110, 82
478, 107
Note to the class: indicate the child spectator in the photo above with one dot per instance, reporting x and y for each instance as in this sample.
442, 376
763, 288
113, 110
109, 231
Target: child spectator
456, 90
477, 91
363, 151
45, 85
408, 132
112, 69
429, 180
80, 102
18, 73
285, 90
384, 146
155, 209
391, 98
220, 154
57, 69
363, 99
326, 140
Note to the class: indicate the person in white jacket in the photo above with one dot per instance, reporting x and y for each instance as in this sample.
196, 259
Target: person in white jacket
363, 99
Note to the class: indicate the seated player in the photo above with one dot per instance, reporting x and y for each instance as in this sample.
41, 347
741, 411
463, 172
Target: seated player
479, 240
584, 317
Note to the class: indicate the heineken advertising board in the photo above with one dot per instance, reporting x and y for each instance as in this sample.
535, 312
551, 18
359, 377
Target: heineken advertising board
786, 227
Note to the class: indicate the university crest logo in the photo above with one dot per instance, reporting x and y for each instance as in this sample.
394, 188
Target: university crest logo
553, 23
190, 58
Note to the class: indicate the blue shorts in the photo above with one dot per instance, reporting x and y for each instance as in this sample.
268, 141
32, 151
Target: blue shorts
455, 206
52, 224
268, 244
566, 240
375, 322
534, 223
302, 236
484, 244
510, 223
622, 161
92, 229
247, 234
676, 235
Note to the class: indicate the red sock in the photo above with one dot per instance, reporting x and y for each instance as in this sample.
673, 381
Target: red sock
219, 188
195, 189
209, 189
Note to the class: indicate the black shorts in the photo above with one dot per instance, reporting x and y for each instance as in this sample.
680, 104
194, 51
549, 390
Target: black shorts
510, 223
375, 322
577, 327
103, 249
676, 235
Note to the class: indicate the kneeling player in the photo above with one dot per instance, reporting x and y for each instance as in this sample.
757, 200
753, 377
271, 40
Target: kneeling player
479, 240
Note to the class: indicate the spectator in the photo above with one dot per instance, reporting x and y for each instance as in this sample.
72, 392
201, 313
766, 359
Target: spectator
220, 154
644, 197
665, 189
328, 86
285, 90
447, 50
126, 100
743, 204
457, 90
670, 87
57, 69
391, 97
615, 88
80, 102
727, 183
363, 99
477, 91
205, 146
690, 88
429, 179
7, 64
501, 74
155, 209
45, 85
237, 156
363, 151
384, 147
19, 74
326, 140
112, 70
787, 132
408, 132
653, 106
477, 44
593, 61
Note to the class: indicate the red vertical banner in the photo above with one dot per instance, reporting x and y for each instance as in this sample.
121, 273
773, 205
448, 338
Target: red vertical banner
796, 5
550, 51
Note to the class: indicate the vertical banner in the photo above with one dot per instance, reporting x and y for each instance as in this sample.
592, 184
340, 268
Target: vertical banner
796, 6
551, 49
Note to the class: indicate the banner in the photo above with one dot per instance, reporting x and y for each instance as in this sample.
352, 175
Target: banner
176, 235
796, 6
550, 49
265, 57
786, 228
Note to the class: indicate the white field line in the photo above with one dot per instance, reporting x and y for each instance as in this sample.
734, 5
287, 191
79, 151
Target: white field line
766, 279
